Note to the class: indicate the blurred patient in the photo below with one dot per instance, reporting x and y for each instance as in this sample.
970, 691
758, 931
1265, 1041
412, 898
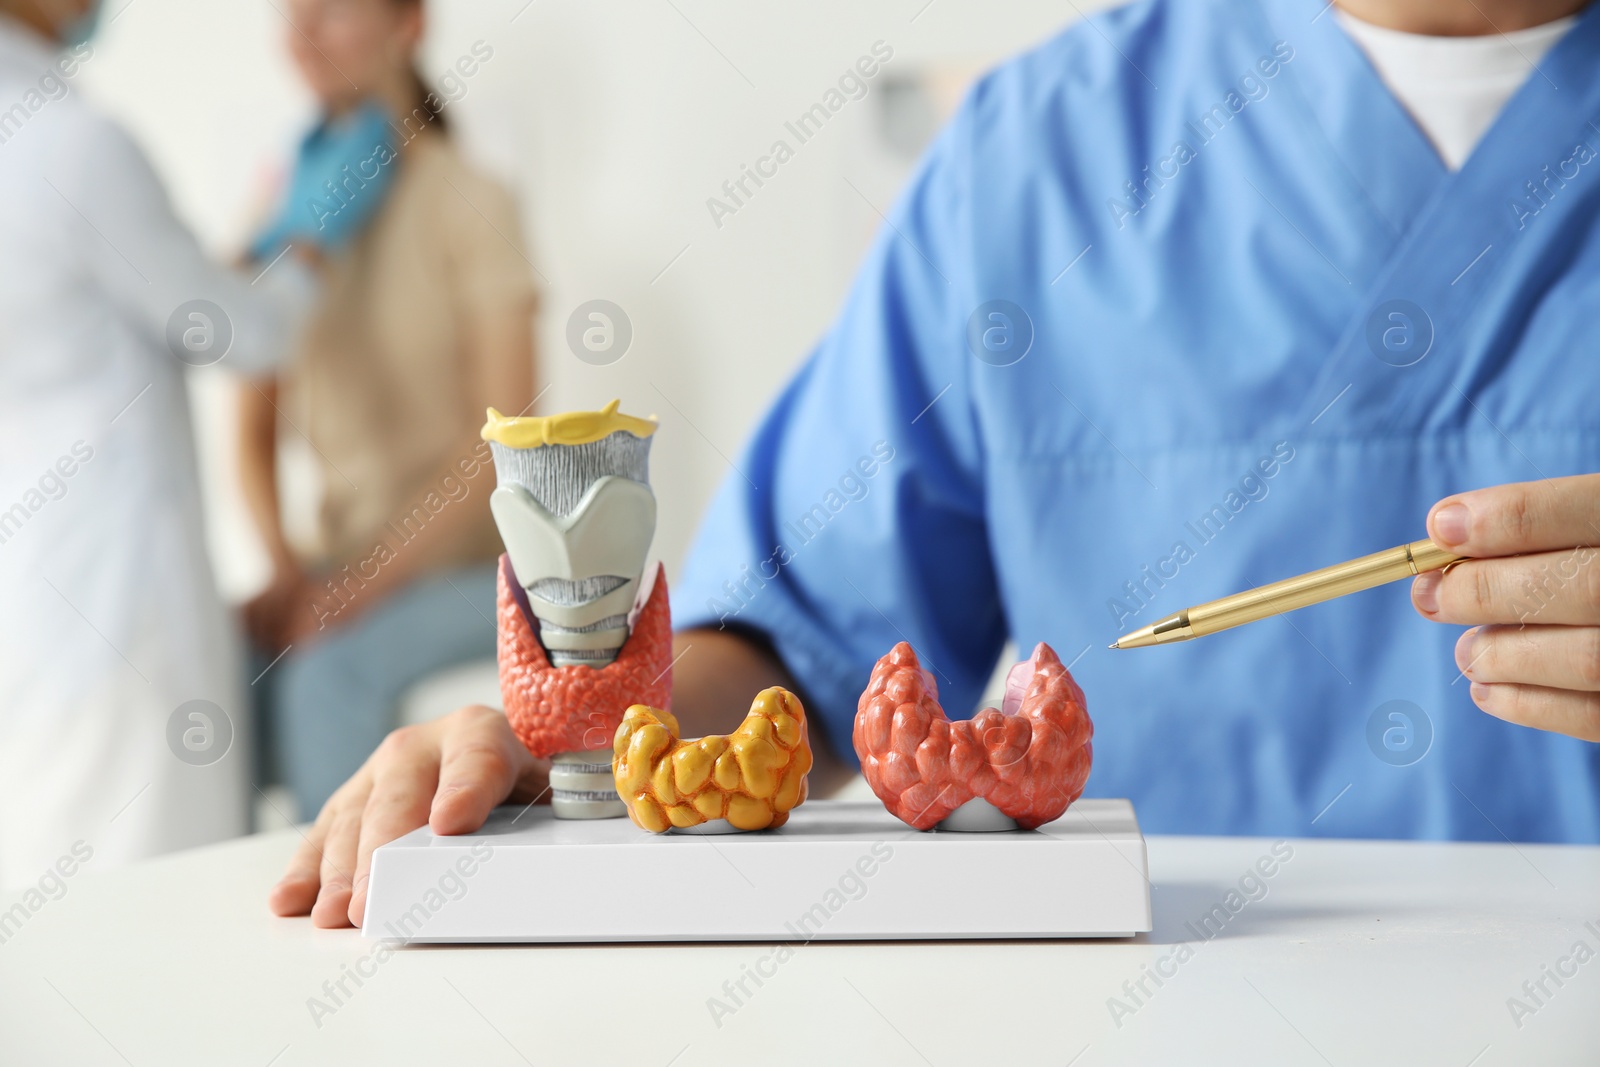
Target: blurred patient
425, 319
120, 700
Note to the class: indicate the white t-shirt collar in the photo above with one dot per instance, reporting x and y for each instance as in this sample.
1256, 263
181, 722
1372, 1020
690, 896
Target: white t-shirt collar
1454, 87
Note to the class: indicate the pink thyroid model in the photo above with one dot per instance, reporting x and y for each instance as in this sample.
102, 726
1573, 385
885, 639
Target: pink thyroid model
577, 708
1030, 760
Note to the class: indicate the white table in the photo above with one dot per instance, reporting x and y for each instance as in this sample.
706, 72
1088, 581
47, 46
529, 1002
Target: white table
1359, 953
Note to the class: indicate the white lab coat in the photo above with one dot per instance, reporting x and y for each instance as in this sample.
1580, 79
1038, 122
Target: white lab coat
109, 618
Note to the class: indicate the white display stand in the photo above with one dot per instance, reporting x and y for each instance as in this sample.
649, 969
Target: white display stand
839, 870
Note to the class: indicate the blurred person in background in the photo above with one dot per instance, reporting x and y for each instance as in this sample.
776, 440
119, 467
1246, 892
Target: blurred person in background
425, 319
110, 624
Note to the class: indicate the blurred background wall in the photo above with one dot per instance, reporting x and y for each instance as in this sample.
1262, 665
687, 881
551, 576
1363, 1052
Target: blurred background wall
614, 121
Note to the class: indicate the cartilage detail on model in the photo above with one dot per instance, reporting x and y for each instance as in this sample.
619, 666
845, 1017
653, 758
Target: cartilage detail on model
576, 513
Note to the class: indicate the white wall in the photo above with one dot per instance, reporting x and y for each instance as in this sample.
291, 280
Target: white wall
614, 120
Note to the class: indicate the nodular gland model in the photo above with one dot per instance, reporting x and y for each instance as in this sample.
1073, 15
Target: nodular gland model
1017, 766
747, 780
582, 633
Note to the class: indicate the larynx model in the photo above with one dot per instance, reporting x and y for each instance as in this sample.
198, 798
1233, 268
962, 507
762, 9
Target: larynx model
581, 635
1020, 766
752, 778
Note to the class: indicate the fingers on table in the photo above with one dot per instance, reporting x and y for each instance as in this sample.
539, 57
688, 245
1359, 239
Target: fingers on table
1547, 588
296, 891
1560, 657
338, 864
1556, 710
1521, 517
482, 762
405, 773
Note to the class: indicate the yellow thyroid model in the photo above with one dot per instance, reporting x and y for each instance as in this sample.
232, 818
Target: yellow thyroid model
752, 777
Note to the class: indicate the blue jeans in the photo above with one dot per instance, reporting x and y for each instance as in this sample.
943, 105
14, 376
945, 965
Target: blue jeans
323, 710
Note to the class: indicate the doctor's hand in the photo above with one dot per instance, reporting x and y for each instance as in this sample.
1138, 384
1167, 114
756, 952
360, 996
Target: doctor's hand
447, 774
1531, 594
342, 174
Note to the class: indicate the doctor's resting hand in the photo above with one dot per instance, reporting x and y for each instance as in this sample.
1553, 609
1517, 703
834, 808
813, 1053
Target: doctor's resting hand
449, 774
1530, 592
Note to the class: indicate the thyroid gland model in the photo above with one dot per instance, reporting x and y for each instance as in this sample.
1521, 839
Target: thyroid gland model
749, 780
582, 634
1016, 767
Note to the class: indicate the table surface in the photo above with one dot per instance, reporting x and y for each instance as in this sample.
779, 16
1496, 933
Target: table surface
1350, 953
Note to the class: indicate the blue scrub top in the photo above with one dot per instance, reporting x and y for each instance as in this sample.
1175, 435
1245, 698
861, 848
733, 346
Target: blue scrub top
1180, 303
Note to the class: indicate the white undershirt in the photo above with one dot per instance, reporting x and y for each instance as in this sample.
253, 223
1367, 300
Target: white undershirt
1454, 86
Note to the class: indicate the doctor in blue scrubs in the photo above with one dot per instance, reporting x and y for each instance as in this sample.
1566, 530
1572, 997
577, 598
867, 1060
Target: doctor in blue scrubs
1197, 296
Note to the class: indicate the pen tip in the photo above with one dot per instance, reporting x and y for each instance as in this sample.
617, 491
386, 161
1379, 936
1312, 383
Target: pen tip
1112, 645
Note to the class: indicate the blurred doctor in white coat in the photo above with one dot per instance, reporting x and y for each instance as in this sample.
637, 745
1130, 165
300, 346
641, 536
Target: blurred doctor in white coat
122, 728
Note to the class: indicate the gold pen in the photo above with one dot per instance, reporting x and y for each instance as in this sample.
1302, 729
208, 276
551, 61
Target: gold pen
1390, 565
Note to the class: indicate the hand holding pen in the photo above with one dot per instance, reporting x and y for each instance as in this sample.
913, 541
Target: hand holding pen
1531, 594
1515, 562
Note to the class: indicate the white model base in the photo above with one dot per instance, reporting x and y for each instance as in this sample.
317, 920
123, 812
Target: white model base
977, 816
839, 870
